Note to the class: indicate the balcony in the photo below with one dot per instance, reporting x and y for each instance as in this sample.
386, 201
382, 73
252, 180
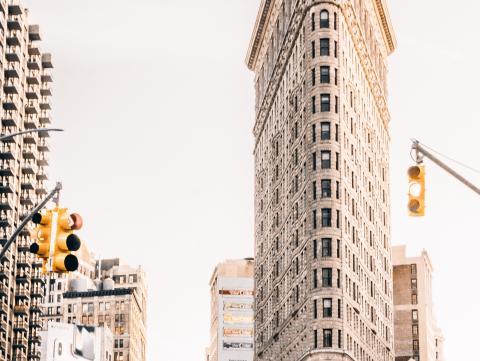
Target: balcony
11, 102
27, 183
3, 325
36, 322
13, 53
5, 222
20, 341
12, 70
3, 345
23, 277
31, 107
23, 245
11, 86
37, 292
37, 308
41, 190
29, 138
31, 121
6, 202
33, 50
22, 294
7, 187
45, 103
20, 325
43, 145
34, 33
14, 37
33, 62
30, 152
9, 119
47, 60
41, 175
46, 76
14, 22
32, 77
29, 168
8, 151
44, 117
20, 310
42, 160
14, 8
36, 339
4, 273
34, 354
26, 200
45, 90
32, 92
3, 290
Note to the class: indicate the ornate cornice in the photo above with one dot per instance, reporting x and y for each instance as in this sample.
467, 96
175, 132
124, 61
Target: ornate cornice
386, 24
257, 36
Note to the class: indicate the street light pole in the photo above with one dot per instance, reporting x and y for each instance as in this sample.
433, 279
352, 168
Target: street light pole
36, 130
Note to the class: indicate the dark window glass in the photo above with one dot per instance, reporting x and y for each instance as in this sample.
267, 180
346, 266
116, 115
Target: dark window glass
327, 338
315, 248
325, 102
326, 247
326, 277
325, 131
313, 49
326, 217
314, 109
315, 279
314, 160
314, 190
313, 76
313, 22
324, 19
326, 188
314, 216
325, 74
324, 47
327, 307
315, 339
325, 159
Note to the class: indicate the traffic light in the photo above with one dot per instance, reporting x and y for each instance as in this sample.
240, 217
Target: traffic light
416, 190
66, 241
41, 235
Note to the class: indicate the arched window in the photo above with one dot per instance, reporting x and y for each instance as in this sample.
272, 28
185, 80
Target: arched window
324, 19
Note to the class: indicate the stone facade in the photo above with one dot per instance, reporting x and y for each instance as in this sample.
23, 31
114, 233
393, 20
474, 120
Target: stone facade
323, 272
417, 335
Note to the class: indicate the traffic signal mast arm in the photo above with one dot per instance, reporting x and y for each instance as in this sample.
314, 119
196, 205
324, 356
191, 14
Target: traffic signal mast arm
422, 152
22, 225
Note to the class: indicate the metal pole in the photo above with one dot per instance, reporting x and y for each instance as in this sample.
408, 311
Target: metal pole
37, 130
419, 149
22, 225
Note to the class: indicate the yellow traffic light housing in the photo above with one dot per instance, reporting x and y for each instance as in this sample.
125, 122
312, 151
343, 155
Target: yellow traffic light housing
416, 190
42, 235
66, 241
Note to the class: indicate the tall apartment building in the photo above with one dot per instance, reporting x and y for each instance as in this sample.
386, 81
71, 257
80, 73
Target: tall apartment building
231, 326
323, 272
25, 78
417, 335
113, 296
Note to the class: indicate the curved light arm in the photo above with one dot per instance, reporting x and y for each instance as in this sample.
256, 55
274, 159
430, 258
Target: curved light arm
37, 130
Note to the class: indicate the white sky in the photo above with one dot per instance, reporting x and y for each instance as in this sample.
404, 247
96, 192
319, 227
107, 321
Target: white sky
157, 105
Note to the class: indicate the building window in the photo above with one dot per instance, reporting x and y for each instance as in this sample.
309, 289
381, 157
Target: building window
325, 47
314, 220
414, 283
415, 346
415, 315
313, 21
326, 188
327, 338
325, 131
314, 160
339, 338
314, 133
413, 269
313, 49
313, 76
327, 307
414, 299
314, 190
315, 251
415, 330
315, 339
326, 247
325, 158
324, 19
326, 277
315, 313
325, 102
314, 108
326, 217
315, 278
325, 75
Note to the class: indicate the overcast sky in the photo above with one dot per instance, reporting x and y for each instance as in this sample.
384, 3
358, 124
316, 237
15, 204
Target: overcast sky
157, 105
